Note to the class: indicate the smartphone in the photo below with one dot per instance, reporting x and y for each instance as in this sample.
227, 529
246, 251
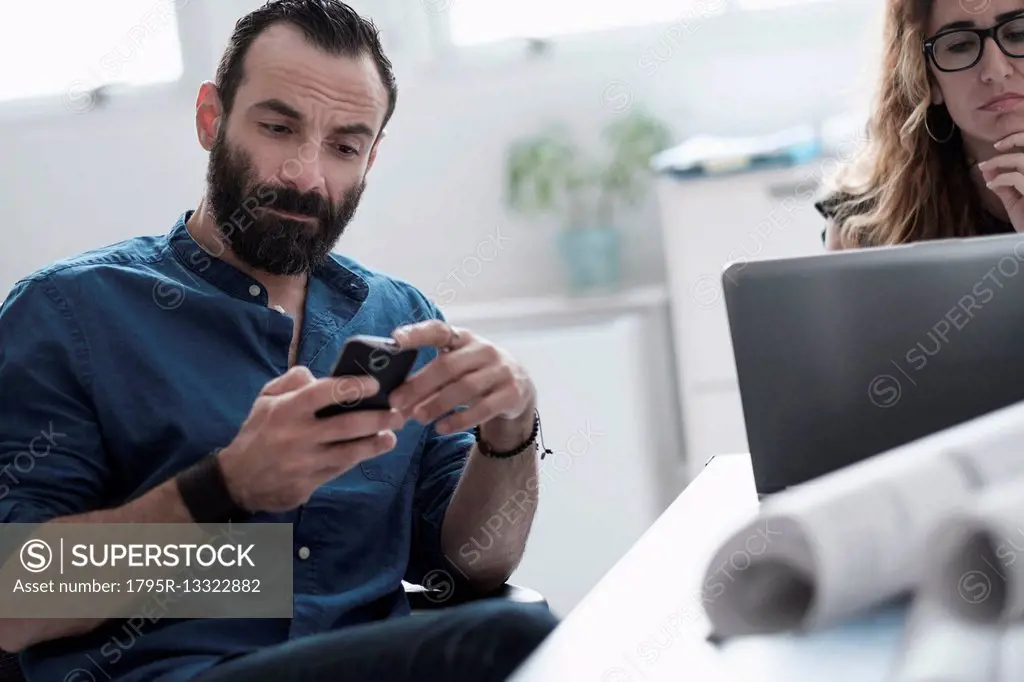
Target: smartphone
377, 356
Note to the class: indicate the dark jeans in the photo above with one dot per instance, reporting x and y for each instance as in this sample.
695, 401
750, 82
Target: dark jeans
481, 641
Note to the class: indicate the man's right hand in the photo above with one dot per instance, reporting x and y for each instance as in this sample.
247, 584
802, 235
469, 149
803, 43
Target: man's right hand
283, 452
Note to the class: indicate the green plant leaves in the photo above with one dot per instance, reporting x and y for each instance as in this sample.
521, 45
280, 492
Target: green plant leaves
548, 173
539, 170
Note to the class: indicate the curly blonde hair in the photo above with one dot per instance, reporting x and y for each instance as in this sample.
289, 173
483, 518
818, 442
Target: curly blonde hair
904, 186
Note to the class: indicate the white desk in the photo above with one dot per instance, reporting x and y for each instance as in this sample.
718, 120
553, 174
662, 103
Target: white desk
644, 621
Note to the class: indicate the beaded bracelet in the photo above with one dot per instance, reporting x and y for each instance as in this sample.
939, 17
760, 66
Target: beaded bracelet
487, 451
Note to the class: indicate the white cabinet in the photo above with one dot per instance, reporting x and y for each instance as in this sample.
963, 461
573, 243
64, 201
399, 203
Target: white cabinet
708, 223
603, 372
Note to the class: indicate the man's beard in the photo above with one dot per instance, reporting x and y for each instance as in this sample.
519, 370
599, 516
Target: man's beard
267, 241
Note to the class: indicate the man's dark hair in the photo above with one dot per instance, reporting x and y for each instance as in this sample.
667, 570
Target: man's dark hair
330, 25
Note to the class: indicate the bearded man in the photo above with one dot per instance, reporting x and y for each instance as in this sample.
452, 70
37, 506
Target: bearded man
177, 378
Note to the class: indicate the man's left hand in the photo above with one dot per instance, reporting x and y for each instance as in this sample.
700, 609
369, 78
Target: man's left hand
470, 371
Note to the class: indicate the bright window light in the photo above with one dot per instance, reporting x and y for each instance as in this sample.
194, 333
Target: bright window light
474, 22
68, 47
772, 4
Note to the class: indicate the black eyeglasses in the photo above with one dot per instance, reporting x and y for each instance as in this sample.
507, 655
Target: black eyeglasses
961, 48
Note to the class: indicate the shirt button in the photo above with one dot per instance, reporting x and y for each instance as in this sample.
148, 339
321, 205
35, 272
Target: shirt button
254, 290
303, 553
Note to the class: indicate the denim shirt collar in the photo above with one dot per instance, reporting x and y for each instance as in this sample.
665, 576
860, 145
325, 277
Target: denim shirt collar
330, 275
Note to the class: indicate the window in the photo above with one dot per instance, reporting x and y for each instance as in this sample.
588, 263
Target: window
772, 4
475, 22
66, 48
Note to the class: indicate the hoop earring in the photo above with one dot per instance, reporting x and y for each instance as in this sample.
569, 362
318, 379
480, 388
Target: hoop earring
952, 130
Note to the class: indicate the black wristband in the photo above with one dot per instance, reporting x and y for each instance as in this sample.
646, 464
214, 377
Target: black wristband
205, 492
487, 451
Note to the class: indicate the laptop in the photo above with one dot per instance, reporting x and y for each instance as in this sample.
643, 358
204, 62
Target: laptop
844, 355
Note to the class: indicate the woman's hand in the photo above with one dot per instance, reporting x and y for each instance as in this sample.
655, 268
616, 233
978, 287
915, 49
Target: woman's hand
1004, 175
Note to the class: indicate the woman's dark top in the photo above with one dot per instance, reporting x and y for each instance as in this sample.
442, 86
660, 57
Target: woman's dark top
988, 224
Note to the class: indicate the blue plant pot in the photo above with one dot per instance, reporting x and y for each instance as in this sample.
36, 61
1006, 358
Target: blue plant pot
593, 257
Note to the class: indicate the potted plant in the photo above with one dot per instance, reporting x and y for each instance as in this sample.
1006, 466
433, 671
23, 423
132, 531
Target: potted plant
549, 173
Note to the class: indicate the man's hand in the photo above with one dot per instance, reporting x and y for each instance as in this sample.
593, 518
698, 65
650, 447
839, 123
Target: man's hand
283, 453
469, 371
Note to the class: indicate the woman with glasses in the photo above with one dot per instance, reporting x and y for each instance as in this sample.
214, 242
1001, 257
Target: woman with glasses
945, 150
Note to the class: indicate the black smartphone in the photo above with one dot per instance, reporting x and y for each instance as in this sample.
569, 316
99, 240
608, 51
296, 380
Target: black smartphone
377, 356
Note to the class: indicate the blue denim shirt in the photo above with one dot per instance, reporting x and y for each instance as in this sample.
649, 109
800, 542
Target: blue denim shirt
121, 366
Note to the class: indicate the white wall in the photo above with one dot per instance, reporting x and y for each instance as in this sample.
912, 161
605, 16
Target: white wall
76, 181
593, 507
